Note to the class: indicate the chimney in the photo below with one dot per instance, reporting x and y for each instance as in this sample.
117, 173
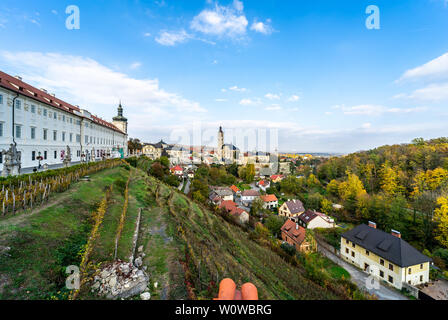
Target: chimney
297, 226
372, 224
44, 90
396, 233
18, 77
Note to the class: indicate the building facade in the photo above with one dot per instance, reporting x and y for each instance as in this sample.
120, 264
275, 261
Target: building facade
43, 126
385, 256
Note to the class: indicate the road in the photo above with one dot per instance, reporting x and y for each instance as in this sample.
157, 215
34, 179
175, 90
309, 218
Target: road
187, 187
360, 278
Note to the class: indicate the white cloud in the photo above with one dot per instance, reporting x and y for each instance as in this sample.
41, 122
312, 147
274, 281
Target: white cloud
434, 69
264, 28
377, 110
249, 102
294, 98
135, 65
366, 125
221, 100
274, 107
54, 11
98, 88
167, 38
434, 92
235, 88
272, 96
147, 34
227, 21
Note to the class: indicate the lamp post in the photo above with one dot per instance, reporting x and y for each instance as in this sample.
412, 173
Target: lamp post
39, 158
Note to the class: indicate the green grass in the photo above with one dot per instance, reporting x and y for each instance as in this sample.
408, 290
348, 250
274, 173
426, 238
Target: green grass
44, 243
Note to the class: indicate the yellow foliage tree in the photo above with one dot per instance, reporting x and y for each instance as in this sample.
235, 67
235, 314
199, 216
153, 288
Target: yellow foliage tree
352, 187
389, 180
441, 217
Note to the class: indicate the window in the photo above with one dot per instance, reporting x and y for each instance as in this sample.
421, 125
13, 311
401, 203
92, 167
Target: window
409, 271
1, 129
45, 155
347, 251
18, 104
353, 245
1, 157
367, 252
382, 262
391, 267
421, 266
33, 133
33, 108
71, 137
45, 112
63, 118
71, 120
86, 139
63, 136
55, 115
353, 254
391, 279
18, 132
55, 154
78, 138
381, 274
421, 278
33, 155
45, 134
1, 99
55, 135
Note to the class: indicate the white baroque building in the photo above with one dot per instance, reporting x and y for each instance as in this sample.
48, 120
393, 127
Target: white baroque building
42, 126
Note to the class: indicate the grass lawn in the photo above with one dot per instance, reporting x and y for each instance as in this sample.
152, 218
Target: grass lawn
44, 243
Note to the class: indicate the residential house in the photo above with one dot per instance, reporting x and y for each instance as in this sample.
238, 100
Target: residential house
385, 255
224, 193
263, 184
277, 178
236, 191
312, 219
296, 236
270, 201
291, 208
232, 208
177, 170
248, 196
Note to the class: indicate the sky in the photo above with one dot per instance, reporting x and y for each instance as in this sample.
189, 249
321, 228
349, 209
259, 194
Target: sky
309, 74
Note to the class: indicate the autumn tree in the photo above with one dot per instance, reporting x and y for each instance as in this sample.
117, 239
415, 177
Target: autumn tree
441, 218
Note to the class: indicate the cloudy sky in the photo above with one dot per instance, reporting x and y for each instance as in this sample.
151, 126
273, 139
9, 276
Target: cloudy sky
309, 70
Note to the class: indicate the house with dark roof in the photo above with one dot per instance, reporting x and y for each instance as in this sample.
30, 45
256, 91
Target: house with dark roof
249, 196
385, 255
312, 219
296, 236
291, 208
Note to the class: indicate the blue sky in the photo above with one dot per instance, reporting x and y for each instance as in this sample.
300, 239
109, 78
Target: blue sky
310, 70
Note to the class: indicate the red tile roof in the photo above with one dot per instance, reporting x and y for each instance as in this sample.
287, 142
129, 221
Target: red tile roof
18, 86
234, 188
177, 168
276, 176
269, 198
228, 205
294, 231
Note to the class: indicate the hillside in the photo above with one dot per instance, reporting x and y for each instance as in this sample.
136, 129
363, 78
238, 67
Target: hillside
188, 249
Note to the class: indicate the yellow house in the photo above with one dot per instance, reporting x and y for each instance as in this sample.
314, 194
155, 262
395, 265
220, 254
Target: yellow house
385, 255
291, 208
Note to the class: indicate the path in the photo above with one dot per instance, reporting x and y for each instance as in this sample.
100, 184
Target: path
360, 278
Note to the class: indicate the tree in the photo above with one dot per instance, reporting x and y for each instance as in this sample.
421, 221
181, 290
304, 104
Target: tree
134, 145
198, 196
257, 207
352, 187
164, 161
389, 180
333, 187
313, 201
172, 180
274, 224
441, 217
312, 181
326, 206
157, 170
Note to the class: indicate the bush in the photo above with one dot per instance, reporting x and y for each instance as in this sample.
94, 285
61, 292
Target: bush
289, 249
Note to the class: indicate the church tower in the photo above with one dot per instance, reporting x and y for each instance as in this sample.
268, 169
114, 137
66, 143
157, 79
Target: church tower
220, 143
119, 121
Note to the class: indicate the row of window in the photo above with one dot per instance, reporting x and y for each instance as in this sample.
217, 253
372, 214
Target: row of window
88, 139
52, 114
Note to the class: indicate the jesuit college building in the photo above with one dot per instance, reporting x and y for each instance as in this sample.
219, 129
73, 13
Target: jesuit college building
43, 126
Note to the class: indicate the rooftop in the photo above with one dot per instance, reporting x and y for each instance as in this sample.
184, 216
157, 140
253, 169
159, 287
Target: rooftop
386, 245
